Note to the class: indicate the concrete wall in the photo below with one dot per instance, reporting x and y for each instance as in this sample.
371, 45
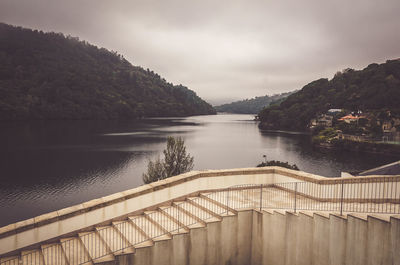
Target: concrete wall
318, 239
226, 242
278, 238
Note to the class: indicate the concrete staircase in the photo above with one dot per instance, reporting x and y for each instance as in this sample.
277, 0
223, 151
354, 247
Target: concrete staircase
103, 244
259, 219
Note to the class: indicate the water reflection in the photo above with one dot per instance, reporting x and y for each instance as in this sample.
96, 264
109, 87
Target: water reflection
47, 165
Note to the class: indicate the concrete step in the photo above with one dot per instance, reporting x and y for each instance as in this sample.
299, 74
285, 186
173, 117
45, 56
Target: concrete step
177, 226
32, 257
181, 216
14, 260
152, 230
134, 236
237, 199
212, 206
75, 251
210, 216
53, 254
98, 250
196, 211
117, 243
164, 221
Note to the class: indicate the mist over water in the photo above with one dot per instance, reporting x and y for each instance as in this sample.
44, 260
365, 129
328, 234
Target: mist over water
48, 165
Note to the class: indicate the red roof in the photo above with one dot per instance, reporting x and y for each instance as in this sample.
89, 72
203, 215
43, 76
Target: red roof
350, 117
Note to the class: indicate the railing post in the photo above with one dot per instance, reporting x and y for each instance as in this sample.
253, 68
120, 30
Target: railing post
227, 200
261, 191
341, 198
295, 196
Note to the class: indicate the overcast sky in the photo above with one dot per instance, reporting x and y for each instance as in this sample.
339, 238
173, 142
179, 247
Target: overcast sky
226, 49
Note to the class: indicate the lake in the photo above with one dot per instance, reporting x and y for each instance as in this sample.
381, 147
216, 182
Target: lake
48, 165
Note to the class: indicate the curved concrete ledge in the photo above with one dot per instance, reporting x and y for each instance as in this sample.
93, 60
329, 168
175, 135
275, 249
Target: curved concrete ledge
122, 196
74, 218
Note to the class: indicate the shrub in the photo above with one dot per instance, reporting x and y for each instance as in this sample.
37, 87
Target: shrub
279, 164
176, 161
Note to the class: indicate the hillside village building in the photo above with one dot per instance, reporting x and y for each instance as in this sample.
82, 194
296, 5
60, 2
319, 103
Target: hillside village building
350, 118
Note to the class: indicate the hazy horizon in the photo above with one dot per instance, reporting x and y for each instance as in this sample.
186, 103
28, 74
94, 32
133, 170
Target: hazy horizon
227, 50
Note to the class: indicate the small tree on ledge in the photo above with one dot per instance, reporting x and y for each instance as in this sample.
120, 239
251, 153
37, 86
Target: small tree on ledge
279, 164
176, 161
155, 171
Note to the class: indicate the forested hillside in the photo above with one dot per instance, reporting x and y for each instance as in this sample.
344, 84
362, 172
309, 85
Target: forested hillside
251, 106
52, 76
375, 88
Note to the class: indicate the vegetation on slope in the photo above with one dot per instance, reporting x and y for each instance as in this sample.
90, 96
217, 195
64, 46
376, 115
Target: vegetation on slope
375, 88
253, 105
52, 76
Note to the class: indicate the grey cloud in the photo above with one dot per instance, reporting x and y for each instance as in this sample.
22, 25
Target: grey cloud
224, 49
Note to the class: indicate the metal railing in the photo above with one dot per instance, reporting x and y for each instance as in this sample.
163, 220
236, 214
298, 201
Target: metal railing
365, 196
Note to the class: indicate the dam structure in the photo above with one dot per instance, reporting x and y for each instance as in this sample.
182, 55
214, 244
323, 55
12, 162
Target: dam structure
268, 215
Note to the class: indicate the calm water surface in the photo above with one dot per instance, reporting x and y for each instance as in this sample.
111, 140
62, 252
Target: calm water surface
48, 165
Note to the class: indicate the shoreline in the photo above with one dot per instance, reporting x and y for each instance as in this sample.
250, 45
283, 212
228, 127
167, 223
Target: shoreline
365, 147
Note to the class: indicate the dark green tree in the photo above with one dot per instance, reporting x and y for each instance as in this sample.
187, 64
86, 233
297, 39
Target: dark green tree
52, 76
155, 171
373, 89
176, 161
253, 105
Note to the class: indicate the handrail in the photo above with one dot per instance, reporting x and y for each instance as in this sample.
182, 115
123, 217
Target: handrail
372, 196
92, 205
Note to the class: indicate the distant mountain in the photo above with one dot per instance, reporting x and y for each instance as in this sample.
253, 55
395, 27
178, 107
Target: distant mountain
52, 76
253, 105
375, 88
